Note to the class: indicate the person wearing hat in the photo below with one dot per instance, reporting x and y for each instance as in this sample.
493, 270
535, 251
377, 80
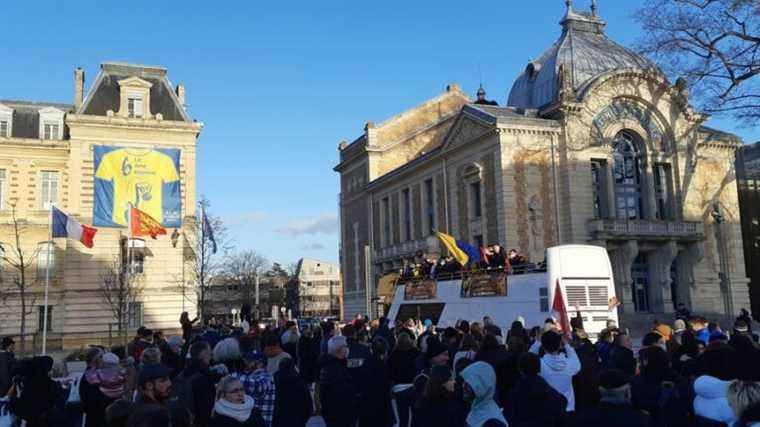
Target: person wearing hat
152, 400
532, 401
7, 361
615, 406
39, 403
438, 405
171, 355
258, 384
558, 365
436, 354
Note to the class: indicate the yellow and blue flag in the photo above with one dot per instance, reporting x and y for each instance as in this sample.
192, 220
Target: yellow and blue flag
463, 252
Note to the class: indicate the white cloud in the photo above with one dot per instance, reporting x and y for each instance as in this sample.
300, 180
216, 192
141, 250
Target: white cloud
246, 218
313, 247
325, 224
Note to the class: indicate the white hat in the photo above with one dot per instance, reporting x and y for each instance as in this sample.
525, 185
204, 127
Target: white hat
110, 359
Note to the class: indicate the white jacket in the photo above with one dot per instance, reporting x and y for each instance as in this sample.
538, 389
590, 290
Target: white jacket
711, 399
558, 370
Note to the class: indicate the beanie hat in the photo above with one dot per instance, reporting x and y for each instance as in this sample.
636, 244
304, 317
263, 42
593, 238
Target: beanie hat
434, 347
679, 325
110, 359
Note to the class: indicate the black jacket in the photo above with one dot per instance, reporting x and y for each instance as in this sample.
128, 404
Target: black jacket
607, 414
622, 358
94, 403
586, 382
401, 364
308, 355
7, 361
202, 383
375, 406
534, 403
505, 367
667, 400
385, 333
337, 393
41, 402
293, 405
172, 360
443, 413
254, 420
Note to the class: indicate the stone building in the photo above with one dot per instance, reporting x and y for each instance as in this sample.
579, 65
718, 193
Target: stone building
748, 179
46, 158
317, 289
594, 146
226, 294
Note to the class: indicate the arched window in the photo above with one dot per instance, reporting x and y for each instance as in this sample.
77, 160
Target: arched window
628, 173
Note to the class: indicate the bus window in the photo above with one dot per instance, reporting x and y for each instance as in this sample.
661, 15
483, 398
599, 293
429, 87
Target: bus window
430, 311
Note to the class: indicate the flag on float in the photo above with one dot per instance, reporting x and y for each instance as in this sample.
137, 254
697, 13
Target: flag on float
560, 310
65, 226
463, 252
208, 231
142, 224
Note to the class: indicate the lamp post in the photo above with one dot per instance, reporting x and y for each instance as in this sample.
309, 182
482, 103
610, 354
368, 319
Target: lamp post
725, 279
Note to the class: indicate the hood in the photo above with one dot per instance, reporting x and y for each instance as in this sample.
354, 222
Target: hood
481, 377
710, 387
555, 362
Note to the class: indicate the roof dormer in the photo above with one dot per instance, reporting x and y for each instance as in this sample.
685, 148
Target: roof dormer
51, 123
135, 98
6, 121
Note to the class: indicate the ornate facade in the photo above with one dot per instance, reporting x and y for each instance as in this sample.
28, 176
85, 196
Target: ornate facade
46, 158
595, 146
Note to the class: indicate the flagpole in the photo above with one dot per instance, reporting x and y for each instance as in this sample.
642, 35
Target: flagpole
47, 281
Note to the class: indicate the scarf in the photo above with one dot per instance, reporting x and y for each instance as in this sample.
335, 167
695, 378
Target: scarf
240, 412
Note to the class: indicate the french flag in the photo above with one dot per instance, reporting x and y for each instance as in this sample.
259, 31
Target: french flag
66, 226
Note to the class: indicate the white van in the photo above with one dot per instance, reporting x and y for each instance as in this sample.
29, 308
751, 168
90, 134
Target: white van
584, 275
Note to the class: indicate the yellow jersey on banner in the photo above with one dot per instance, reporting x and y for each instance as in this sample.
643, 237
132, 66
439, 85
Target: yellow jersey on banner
138, 176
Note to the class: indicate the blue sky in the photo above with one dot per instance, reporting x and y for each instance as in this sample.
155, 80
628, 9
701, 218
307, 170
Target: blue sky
279, 84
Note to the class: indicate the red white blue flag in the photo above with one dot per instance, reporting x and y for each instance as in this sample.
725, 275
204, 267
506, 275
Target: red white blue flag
65, 226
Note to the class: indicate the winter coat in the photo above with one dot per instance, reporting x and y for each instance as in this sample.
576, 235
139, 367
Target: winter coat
385, 333
204, 391
94, 402
375, 406
621, 358
337, 394
308, 354
218, 420
293, 405
40, 401
401, 365
503, 365
439, 413
275, 355
482, 380
586, 382
7, 362
558, 370
534, 403
173, 361
607, 414
710, 401
667, 400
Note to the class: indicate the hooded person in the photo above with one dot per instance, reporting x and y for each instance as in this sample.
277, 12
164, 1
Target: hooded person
109, 377
479, 388
37, 399
558, 366
436, 354
533, 402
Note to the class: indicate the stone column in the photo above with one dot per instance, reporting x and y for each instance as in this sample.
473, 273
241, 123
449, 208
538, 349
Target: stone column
661, 296
690, 257
622, 260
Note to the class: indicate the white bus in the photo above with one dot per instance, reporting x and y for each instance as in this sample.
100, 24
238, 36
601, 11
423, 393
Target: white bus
584, 275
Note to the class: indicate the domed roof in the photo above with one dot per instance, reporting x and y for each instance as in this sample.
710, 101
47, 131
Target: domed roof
584, 51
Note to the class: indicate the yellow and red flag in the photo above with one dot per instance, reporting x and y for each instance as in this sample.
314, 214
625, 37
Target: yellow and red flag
142, 224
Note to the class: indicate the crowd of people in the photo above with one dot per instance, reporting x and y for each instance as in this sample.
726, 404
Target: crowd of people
490, 258
374, 374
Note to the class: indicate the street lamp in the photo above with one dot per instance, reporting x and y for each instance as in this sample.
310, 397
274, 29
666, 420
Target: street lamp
725, 280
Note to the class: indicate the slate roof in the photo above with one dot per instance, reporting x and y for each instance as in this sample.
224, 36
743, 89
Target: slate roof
26, 117
584, 49
105, 95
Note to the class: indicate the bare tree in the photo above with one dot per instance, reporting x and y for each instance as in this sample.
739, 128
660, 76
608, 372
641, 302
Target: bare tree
714, 45
207, 254
118, 290
242, 268
22, 262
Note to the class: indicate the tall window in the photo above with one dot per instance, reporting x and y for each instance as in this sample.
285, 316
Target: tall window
50, 182
134, 106
41, 318
51, 131
4, 129
387, 221
629, 167
134, 315
45, 260
543, 299
598, 179
476, 209
2, 188
662, 180
407, 201
429, 205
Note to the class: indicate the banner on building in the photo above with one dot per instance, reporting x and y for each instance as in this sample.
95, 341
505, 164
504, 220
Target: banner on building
485, 284
147, 179
420, 289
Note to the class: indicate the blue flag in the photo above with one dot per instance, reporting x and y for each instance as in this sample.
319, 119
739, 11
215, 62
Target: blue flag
472, 252
208, 231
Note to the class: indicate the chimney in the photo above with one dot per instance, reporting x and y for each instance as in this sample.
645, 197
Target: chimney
181, 95
78, 87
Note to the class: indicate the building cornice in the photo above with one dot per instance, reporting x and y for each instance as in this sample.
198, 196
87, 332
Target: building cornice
137, 123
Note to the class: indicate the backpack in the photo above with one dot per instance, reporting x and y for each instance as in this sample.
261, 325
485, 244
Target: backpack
181, 398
